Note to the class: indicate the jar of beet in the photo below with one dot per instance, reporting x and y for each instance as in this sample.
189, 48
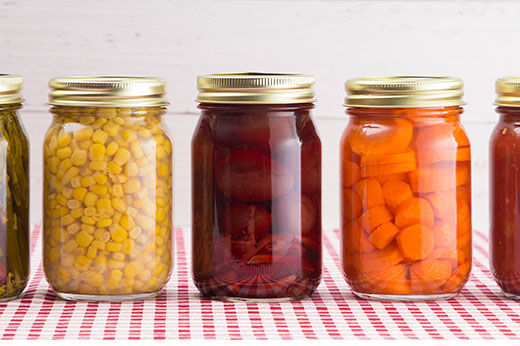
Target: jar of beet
504, 161
405, 189
256, 185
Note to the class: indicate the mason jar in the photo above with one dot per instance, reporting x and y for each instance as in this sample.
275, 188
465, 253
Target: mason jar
256, 188
14, 191
107, 189
405, 189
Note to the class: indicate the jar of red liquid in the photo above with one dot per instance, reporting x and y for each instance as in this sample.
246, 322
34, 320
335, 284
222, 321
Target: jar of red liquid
256, 185
406, 189
504, 159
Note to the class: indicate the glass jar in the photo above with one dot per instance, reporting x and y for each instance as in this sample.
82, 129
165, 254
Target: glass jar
406, 189
107, 194
256, 175
504, 159
14, 191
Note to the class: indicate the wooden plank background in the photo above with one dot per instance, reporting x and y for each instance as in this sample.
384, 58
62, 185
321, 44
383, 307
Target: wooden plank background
333, 40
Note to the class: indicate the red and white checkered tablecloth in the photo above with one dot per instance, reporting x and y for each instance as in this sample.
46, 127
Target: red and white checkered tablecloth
480, 312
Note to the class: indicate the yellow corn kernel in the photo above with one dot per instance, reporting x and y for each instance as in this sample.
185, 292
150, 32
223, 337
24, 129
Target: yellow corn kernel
131, 169
111, 148
122, 156
97, 165
67, 260
84, 239
85, 145
99, 189
73, 228
94, 279
70, 245
160, 153
115, 275
127, 246
127, 222
131, 211
142, 239
114, 168
144, 221
113, 264
100, 136
118, 204
99, 234
144, 275
69, 174
142, 161
67, 192
53, 163
76, 212
63, 153
120, 179
108, 113
63, 138
67, 220
79, 193
86, 120
82, 262
128, 135
75, 182
79, 157
97, 152
87, 228
111, 128
117, 190
98, 244
91, 252
102, 204
90, 211
145, 133
160, 215
149, 208
118, 234
163, 170
73, 204
60, 212
113, 246
140, 203
118, 256
135, 232
136, 149
167, 145
61, 200
90, 199
83, 133
159, 139
99, 121
131, 269
104, 222
88, 220
100, 262
99, 177
132, 186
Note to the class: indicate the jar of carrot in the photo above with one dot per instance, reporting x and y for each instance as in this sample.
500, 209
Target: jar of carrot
256, 188
406, 189
504, 159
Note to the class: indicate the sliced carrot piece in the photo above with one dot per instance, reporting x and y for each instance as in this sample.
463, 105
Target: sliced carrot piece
370, 192
441, 136
458, 278
376, 160
433, 156
392, 280
391, 177
456, 257
428, 276
463, 218
414, 210
372, 171
383, 235
460, 136
381, 259
443, 203
374, 217
415, 242
386, 137
351, 204
438, 177
396, 192
444, 235
356, 238
350, 173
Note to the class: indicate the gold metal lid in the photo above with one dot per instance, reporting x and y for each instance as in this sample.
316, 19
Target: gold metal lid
404, 92
255, 88
107, 91
508, 91
10, 89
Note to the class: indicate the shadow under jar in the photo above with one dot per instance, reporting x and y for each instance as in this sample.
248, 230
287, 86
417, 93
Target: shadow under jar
14, 191
256, 177
504, 158
405, 189
107, 192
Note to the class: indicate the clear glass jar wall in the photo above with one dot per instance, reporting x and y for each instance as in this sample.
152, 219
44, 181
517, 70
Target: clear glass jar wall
256, 175
406, 190
107, 198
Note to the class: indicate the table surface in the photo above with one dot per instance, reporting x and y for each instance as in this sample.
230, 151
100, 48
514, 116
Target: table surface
480, 311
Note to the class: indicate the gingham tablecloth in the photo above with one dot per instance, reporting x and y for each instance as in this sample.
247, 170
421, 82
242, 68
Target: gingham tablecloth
480, 312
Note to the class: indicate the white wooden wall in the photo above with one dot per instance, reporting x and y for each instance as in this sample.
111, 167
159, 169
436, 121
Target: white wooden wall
333, 40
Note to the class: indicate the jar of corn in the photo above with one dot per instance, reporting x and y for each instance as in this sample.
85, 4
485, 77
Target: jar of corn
107, 193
